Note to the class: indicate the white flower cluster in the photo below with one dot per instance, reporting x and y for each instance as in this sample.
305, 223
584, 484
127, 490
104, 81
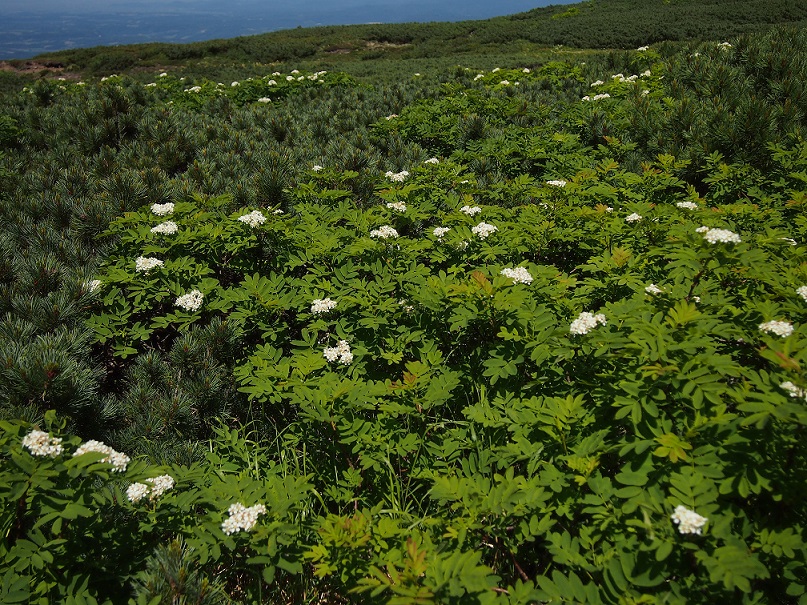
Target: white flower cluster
790, 241
432, 161
191, 301
470, 210
341, 352
391, 116
439, 232
166, 228
557, 183
316, 168
265, 100
118, 460
505, 82
153, 488
93, 284
724, 45
483, 230
713, 236
780, 328
397, 206
586, 322
688, 521
253, 219
144, 263
242, 518
633, 218
162, 209
194, 89
794, 390
687, 205
802, 291
384, 232
479, 76
643, 48
322, 305
396, 177
597, 83
603, 95
653, 289
519, 275
41, 444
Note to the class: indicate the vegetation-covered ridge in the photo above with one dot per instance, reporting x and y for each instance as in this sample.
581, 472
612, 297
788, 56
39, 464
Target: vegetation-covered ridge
591, 24
530, 333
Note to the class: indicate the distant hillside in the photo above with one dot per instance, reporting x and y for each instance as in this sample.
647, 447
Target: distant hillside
591, 24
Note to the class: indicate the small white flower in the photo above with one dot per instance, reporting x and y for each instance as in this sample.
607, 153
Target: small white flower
289, 78
483, 230
519, 275
276, 73
687, 205
479, 77
495, 69
191, 301
439, 232
93, 285
432, 161
633, 218
41, 444
163, 74
653, 289
166, 228
301, 78
162, 209
505, 82
194, 89
316, 168
271, 83
597, 83
794, 390
724, 45
557, 183
160, 485
688, 521
118, 460
646, 73
790, 241
264, 100
136, 492
526, 70
779, 328
397, 206
341, 353
144, 264
150, 84
470, 210
253, 219
802, 291
235, 83
384, 232
242, 518
397, 177
643, 48
714, 236
322, 305
586, 322
295, 71
391, 116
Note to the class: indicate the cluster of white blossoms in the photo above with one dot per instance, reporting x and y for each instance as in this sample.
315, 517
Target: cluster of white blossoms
391, 116
322, 305
470, 210
687, 205
396, 177
479, 76
118, 460
597, 83
145, 263
794, 390
505, 82
439, 232
93, 285
483, 230
519, 275
688, 521
557, 183
153, 488
242, 518
780, 328
341, 353
586, 322
41, 444
166, 228
432, 161
653, 289
191, 301
316, 168
194, 89
724, 45
397, 206
633, 218
384, 232
723, 236
603, 95
643, 48
265, 100
162, 209
802, 291
253, 219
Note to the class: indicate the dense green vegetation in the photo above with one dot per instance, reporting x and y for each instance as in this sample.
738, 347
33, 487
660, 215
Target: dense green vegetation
521, 332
